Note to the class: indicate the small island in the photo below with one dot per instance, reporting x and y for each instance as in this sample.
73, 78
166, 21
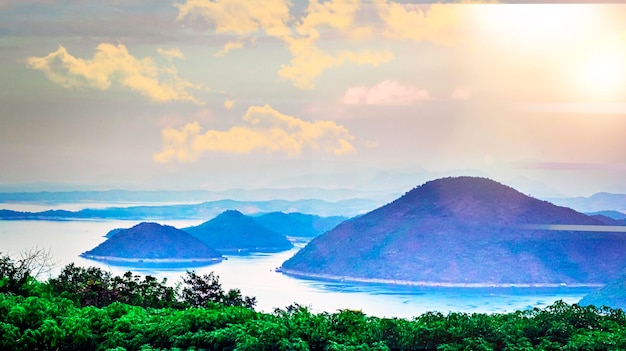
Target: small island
154, 245
235, 233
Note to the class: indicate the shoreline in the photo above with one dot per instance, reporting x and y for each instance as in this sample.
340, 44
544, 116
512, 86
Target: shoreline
152, 260
350, 279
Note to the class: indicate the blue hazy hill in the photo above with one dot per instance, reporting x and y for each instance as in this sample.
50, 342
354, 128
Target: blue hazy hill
153, 242
298, 224
234, 232
294, 224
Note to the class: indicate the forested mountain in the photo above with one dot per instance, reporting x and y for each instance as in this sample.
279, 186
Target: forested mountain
152, 242
298, 224
233, 232
466, 230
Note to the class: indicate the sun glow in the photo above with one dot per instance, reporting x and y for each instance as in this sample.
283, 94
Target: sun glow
604, 72
532, 24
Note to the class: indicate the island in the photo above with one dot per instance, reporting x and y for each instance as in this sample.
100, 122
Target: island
233, 232
466, 231
150, 244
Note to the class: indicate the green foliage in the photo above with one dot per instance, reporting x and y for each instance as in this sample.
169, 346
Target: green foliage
203, 290
89, 309
55, 323
18, 275
94, 287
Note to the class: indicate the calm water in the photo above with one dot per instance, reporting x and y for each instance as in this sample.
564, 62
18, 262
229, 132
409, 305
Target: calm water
254, 275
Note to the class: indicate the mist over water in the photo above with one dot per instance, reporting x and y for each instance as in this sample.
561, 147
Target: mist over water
255, 275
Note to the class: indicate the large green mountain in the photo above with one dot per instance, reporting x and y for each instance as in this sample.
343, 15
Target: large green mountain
153, 242
234, 232
466, 230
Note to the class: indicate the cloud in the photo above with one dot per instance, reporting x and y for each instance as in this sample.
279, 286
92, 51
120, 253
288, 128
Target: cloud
240, 17
114, 64
247, 18
352, 20
387, 92
437, 23
309, 62
171, 54
263, 129
229, 104
231, 45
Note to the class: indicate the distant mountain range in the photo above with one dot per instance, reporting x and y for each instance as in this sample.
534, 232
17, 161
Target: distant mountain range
595, 203
609, 217
303, 198
153, 244
188, 196
464, 231
347, 208
234, 232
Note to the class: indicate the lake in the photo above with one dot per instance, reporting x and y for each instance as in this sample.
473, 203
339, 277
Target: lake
255, 275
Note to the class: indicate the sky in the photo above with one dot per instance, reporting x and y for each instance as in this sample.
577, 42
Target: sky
377, 94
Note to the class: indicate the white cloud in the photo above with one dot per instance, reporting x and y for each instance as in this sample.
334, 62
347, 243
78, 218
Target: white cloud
387, 92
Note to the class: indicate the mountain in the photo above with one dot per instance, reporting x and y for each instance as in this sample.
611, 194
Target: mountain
153, 243
612, 294
233, 232
112, 232
465, 230
609, 217
183, 196
594, 203
608, 220
298, 224
611, 214
208, 209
